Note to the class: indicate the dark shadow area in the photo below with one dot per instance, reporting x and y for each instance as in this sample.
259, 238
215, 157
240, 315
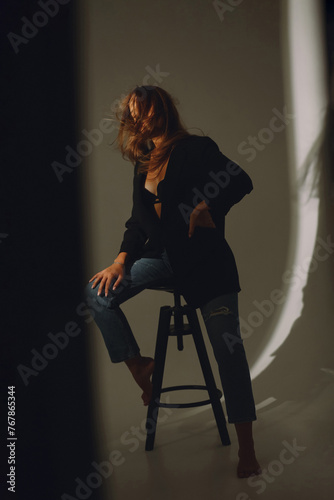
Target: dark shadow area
43, 340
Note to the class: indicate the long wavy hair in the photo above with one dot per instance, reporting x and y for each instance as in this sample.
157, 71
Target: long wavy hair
148, 112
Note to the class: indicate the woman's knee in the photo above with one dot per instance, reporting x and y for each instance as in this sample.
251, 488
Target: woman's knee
89, 292
92, 297
99, 302
222, 325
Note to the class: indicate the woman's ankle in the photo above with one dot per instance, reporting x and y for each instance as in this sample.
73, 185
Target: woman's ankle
244, 432
134, 361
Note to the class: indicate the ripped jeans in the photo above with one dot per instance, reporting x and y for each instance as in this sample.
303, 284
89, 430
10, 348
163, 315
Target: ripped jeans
221, 318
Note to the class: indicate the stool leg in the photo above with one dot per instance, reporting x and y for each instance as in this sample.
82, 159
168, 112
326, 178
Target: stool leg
159, 360
178, 321
208, 376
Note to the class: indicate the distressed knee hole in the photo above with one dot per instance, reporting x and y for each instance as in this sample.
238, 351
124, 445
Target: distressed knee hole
221, 310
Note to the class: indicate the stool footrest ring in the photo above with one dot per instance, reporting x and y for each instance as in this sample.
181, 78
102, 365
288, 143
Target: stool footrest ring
186, 405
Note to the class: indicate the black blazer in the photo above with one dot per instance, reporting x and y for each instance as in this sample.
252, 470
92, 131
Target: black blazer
204, 264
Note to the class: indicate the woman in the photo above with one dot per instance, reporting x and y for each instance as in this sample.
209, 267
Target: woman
183, 187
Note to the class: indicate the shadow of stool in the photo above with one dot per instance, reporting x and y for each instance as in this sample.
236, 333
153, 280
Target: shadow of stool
178, 329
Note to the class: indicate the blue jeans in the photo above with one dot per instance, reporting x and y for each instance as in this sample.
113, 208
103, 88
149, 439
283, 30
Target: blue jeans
221, 318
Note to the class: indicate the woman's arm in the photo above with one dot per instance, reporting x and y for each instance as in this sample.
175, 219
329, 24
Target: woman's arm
133, 241
121, 258
200, 217
134, 237
222, 182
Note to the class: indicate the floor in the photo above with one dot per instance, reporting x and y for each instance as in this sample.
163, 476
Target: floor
294, 442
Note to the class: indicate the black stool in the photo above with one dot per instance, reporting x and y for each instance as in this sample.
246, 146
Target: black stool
178, 329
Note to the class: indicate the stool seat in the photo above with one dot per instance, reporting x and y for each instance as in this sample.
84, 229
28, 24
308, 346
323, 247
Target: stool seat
180, 328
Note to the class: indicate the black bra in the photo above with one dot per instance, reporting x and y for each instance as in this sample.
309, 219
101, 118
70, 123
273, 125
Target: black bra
151, 196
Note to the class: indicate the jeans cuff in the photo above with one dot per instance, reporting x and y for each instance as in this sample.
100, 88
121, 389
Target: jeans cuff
241, 420
119, 358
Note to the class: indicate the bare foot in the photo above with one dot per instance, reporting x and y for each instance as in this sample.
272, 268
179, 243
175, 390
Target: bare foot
146, 397
142, 369
248, 465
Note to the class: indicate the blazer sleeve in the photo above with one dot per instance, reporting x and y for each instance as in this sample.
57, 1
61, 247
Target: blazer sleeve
224, 183
134, 237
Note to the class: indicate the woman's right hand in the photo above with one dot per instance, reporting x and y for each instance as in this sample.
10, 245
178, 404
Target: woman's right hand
106, 276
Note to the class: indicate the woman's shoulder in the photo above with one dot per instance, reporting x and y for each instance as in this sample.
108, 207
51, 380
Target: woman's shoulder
197, 143
200, 139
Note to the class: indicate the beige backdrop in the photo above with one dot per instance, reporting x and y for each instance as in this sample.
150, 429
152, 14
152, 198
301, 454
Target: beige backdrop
230, 74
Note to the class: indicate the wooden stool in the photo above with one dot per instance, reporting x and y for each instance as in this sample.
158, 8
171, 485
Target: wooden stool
178, 329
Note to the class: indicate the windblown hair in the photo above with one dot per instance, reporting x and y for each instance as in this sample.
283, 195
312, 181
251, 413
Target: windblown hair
155, 115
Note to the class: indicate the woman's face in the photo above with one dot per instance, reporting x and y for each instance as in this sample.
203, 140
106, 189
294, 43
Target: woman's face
133, 107
134, 111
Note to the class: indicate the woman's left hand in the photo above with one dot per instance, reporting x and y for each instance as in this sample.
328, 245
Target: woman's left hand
200, 217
